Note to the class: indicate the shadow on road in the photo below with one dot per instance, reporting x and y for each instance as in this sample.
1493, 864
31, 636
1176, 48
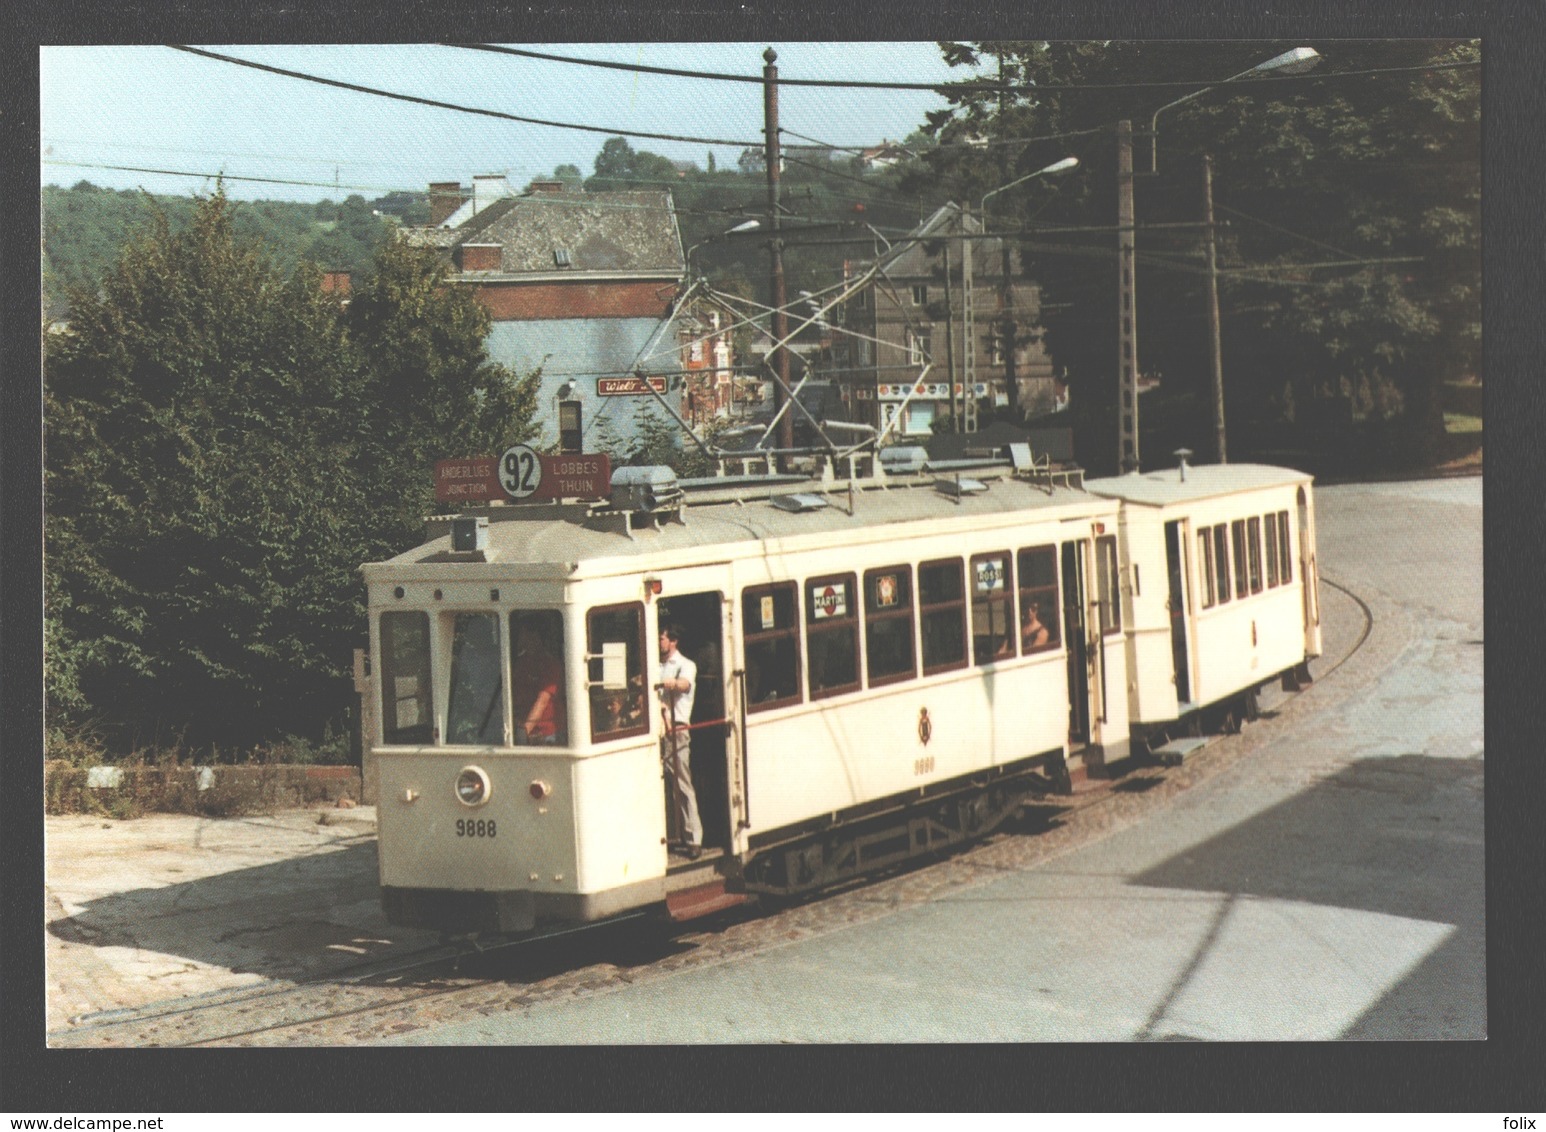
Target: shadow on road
1401, 836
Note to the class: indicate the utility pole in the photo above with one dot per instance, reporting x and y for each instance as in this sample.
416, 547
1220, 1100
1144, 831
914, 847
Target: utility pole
1006, 292
950, 344
1127, 299
776, 252
1215, 351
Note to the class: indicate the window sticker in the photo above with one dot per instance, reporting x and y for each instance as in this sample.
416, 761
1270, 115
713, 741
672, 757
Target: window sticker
990, 575
831, 600
768, 620
885, 591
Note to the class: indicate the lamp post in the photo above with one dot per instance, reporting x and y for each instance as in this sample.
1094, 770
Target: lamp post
1011, 377
744, 226
1294, 62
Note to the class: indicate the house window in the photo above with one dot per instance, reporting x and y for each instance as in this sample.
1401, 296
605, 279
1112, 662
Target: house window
771, 637
920, 294
993, 609
888, 625
942, 614
919, 348
561, 257
832, 635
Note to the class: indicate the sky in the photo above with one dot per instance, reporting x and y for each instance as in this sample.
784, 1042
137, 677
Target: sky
157, 108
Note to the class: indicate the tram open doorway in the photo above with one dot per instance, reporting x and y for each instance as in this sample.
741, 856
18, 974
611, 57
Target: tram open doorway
700, 619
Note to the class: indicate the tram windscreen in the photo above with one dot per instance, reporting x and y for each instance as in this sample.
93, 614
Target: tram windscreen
537, 691
475, 712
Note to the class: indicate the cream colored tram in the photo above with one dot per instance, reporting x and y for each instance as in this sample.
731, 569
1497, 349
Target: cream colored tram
864, 693
1220, 582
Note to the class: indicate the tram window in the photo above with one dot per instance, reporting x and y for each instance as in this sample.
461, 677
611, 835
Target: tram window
942, 615
1253, 552
1272, 550
1285, 562
538, 693
408, 705
993, 608
475, 713
1038, 599
832, 635
1221, 561
1205, 567
1107, 589
771, 635
1237, 539
888, 625
616, 712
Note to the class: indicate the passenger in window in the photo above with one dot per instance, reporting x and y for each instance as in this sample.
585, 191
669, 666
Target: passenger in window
678, 675
537, 678
1033, 634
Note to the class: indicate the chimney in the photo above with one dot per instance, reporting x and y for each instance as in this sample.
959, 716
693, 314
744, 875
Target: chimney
487, 188
445, 197
336, 283
547, 187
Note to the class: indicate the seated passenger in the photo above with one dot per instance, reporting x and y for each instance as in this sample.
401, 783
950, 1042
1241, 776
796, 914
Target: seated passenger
1033, 634
537, 678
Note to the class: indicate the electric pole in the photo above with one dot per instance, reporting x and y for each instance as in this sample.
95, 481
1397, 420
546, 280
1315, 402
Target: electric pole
1215, 351
1127, 323
780, 320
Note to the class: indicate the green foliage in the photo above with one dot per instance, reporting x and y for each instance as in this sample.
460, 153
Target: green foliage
1361, 172
224, 448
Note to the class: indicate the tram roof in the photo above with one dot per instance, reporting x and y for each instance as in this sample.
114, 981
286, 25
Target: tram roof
567, 535
1206, 481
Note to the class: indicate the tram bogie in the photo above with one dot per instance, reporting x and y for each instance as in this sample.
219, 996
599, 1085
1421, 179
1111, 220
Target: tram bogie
881, 673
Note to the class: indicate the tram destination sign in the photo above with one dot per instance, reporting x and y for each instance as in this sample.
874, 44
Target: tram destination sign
523, 475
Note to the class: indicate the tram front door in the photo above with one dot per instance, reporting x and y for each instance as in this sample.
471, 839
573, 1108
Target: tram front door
700, 618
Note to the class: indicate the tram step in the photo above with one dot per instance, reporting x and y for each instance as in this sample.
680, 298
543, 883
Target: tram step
690, 903
1174, 753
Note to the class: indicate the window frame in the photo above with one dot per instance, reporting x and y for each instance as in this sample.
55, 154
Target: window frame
871, 618
1285, 551
937, 607
1270, 522
1253, 553
831, 626
764, 636
426, 675
593, 650
1221, 561
1205, 567
1108, 577
1237, 546
1006, 599
452, 619
1048, 598
545, 621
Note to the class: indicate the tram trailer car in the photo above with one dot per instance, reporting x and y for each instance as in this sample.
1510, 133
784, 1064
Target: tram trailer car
868, 687
1220, 578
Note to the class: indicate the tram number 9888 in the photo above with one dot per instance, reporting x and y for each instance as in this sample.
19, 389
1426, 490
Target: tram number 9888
468, 827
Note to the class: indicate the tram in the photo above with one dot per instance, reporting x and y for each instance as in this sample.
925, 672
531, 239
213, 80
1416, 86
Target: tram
887, 665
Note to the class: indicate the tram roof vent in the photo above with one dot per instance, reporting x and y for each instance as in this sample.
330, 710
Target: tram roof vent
799, 501
904, 458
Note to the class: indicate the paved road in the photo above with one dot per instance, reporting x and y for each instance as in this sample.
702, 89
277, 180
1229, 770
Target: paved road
1325, 883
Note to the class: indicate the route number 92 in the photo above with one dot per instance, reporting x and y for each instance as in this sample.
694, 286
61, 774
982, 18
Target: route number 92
470, 827
520, 471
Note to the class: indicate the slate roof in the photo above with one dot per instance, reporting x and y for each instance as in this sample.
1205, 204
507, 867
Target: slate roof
917, 258
623, 232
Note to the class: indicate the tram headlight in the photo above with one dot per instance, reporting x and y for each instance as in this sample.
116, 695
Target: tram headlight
473, 786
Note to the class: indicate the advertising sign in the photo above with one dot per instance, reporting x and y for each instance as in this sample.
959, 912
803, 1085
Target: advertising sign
629, 386
830, 600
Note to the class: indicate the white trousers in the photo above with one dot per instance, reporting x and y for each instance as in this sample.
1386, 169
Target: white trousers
678, 756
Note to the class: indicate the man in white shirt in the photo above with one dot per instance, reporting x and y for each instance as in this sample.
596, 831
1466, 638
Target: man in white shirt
678, 678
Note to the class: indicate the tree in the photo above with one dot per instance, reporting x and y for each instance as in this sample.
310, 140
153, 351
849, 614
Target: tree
224, 448
1361, 172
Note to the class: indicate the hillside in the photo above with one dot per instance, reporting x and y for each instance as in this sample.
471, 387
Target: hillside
84, 227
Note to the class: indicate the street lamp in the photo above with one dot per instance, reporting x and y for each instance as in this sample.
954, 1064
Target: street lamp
1011, 378
743, 226
1295, 62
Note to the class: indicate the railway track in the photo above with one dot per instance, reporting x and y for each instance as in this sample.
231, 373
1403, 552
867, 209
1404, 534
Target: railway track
411, 991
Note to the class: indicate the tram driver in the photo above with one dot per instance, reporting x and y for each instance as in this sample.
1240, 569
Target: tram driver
537, 680
678, 677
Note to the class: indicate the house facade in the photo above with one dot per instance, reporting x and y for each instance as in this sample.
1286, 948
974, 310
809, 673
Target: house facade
922, 353
581, 284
